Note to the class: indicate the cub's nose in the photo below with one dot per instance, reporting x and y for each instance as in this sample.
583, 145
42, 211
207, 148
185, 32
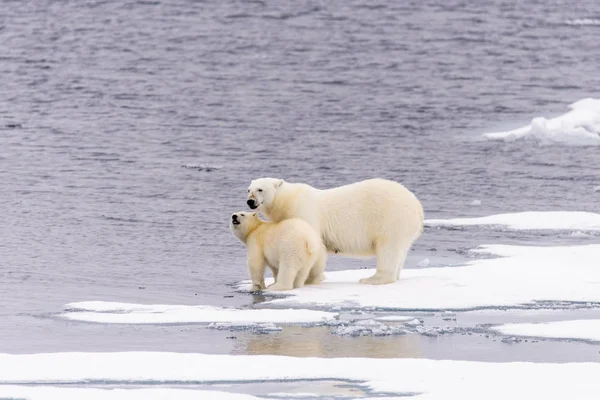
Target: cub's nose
252, 204
234, 217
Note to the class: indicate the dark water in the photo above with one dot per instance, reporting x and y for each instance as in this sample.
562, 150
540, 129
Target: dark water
102, 102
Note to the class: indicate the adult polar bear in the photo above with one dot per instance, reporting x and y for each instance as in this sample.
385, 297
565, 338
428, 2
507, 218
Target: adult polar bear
372, 217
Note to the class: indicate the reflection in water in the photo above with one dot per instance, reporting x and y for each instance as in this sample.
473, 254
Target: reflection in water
320, 342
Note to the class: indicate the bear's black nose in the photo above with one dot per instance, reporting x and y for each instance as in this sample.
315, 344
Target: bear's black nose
252, 204
234, 217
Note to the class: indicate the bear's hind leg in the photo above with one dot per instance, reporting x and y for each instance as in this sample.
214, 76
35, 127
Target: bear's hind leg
316, 274
389, 257
301, 277
286, 276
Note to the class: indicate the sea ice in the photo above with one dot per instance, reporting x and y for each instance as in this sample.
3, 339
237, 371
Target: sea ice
67, 393
578, 127
426, 379
369, 327
583, 329
583, 21
126, 313
518, 277
528, 220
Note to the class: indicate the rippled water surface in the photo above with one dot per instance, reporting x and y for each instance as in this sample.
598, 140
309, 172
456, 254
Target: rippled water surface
103, 103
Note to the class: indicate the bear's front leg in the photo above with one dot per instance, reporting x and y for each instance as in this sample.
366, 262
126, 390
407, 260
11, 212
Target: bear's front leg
256, 268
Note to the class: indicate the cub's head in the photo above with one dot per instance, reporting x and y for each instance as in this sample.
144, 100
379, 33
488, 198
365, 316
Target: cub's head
242, 223
261, 192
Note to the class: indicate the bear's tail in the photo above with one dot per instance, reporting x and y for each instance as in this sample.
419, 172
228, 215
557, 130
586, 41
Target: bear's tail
309, 248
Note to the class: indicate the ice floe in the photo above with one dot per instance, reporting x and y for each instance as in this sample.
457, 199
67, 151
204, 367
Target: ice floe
578, 127
583, 21
528, 220
518, 277
127, 313
582, 329
66, 393
426, 379
369, 327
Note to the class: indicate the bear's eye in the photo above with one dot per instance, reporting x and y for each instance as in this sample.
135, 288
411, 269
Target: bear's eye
242, 214
248, 190
260, 190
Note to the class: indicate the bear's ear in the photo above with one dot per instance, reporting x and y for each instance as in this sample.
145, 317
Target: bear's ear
279, 183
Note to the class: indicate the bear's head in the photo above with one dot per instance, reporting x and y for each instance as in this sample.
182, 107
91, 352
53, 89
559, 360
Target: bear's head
242, 223
261, 192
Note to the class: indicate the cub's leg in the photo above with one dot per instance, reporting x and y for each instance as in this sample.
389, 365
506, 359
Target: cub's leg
316, 274
285, 277
256, 268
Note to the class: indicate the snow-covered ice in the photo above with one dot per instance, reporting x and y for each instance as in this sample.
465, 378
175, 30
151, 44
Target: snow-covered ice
529, 220
67, 393
520, 275
582, 329
127, 313
578, 127
427, 379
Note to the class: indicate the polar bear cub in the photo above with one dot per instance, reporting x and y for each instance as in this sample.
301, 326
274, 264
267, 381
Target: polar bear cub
291, 248
374, 217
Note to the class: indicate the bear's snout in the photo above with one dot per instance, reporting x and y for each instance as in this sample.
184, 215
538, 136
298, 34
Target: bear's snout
252, 204
235, 220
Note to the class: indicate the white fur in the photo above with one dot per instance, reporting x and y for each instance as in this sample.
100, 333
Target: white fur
372, 217
291, 248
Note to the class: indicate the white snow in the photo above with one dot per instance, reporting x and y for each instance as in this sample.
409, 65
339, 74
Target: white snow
127, 313
521, 275
578, 127
529, 220
429, 379
584, 329
65, 393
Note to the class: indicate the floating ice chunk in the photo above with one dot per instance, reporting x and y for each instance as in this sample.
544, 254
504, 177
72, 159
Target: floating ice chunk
435, 331
583, 21
423, 263
202, 167
395, 318
519, 277
584, 329
428, 379
475, 203
126, 313
578, 127
369, 327
253, 327
529, 220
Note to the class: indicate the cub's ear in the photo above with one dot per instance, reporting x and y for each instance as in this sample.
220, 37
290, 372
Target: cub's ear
279, 183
